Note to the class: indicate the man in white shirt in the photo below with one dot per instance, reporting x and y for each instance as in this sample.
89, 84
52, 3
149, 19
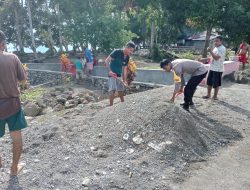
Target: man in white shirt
216, 68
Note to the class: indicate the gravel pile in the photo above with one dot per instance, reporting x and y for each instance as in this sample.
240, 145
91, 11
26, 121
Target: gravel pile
144, 143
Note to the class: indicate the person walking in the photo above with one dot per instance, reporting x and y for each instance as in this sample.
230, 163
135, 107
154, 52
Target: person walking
11, 113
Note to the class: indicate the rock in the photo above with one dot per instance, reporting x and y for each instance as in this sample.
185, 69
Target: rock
46, 110
100, 154
58, 107
125, 137
86, 182
130, 150
40, 103
60, 89
159, 147
25, 102
100, 135
90, 98
100, 172
32, 109
138, 140
93, 148
61, 99
57, 93
137, 87
79, 108
68, 105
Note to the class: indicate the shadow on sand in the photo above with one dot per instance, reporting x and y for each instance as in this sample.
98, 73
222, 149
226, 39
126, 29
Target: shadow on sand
13, 184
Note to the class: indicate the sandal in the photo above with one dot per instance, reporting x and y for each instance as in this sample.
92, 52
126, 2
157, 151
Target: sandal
206, 97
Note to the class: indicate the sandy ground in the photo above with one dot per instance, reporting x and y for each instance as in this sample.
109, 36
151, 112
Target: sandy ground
84, 148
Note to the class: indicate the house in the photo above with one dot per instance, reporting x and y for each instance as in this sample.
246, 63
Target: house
198, 40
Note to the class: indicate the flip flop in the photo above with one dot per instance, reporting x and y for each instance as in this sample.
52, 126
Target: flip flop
205, 97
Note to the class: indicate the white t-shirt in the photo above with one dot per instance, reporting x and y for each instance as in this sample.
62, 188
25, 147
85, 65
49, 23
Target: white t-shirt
217, 65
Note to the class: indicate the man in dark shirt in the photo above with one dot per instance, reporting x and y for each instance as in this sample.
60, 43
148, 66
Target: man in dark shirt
117, 63
11, 113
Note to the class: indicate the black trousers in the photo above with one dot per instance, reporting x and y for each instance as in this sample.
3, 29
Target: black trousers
191, 87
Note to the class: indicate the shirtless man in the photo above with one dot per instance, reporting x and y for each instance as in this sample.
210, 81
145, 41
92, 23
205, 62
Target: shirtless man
244, 53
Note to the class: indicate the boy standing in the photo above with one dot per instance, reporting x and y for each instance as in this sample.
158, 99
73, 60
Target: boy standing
216, 68
117, 63
11, 113
79, 67
90, 61
180, 66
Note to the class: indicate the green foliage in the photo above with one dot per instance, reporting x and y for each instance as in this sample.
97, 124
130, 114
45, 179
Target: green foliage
110, 24
186, 55
32, 94
155, 53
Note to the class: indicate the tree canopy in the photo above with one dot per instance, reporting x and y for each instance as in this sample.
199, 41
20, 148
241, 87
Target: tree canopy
110, 24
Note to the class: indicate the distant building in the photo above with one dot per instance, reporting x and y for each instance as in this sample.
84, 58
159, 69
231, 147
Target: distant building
198, 40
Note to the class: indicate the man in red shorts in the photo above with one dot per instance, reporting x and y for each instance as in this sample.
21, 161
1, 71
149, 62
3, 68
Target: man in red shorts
244, 53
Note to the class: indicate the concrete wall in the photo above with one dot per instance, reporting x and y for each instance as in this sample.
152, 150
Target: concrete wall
143, 76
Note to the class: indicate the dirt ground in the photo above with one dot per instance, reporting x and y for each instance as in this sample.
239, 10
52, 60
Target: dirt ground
145, 143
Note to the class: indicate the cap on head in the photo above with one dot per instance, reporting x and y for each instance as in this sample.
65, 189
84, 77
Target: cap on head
130, 44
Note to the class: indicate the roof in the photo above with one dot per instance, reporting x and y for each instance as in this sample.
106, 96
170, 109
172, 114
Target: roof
202, 36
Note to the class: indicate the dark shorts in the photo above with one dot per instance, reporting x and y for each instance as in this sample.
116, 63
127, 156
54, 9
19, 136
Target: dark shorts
214, 79
15, 122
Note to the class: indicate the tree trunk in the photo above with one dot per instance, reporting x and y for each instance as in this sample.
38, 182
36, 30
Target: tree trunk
207, 41
50, 38
18, 29
31, 29
59, 28
152, 38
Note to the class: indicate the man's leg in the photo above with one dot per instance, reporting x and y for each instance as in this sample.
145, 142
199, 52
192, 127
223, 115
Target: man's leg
216, 90
209, 84
191, 87
111, 98
187, 95
16, 151
2, 132
209, 90
121, 95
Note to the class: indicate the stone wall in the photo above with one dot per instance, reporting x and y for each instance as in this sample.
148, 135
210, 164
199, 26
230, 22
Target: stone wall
46, 78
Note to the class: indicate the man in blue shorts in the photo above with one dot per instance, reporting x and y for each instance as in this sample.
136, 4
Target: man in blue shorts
11, 113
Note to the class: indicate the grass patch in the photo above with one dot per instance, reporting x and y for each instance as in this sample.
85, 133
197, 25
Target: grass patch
32, 94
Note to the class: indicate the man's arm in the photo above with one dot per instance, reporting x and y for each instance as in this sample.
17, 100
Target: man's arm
215, 56
203, 60
107, 61
125, 73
